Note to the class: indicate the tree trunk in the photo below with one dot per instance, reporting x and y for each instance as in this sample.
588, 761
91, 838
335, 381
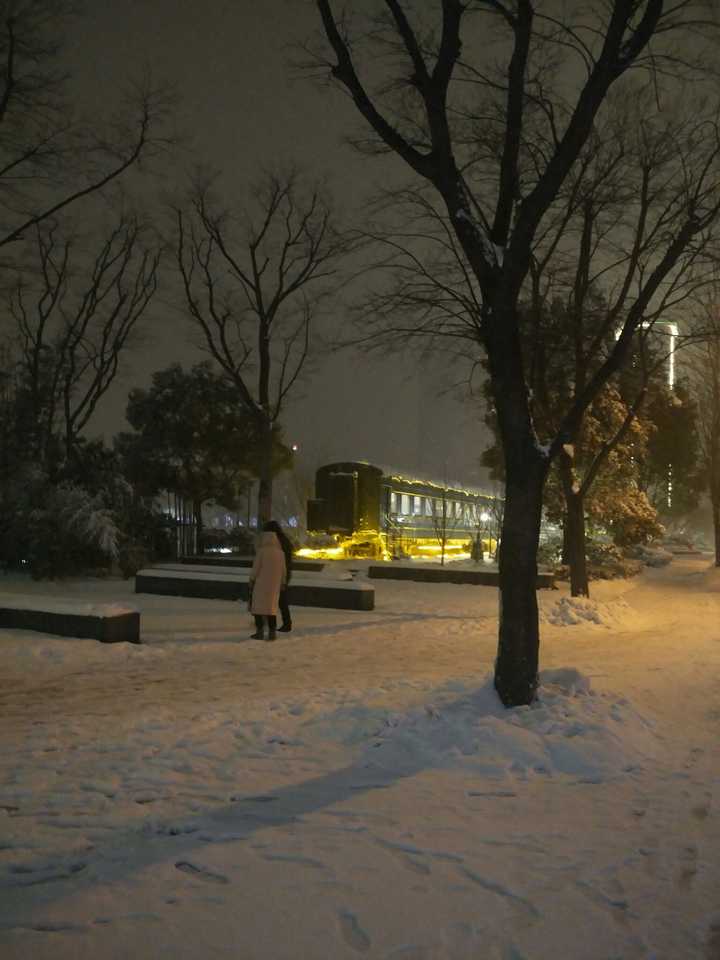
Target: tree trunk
265, 498
198, 525
577, 561
265, 478
574, 530
516, 666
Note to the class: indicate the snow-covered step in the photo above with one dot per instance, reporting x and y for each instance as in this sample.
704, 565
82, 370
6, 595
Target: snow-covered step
106, 622
311, 590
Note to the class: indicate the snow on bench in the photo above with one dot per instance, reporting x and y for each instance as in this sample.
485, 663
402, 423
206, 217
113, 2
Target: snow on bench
314, 590
448, 574
106, 622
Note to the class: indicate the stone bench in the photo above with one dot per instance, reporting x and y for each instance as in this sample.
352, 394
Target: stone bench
219, 585
439, 574
230, 560
108, 623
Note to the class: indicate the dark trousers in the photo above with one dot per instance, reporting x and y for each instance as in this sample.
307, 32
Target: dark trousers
285, 608
260, 621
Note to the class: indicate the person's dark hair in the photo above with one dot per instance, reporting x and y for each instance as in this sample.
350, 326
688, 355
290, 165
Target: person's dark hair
272, 526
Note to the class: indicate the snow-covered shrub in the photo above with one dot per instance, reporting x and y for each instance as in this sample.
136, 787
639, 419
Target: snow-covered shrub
605, 561
72, 531
600, 552
651, 555
549, 552
678, 539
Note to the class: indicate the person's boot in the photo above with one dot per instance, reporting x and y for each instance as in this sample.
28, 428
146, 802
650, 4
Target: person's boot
285, 628
271, 635
258, 635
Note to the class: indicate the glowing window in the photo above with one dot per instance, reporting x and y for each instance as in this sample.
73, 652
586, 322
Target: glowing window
405, 504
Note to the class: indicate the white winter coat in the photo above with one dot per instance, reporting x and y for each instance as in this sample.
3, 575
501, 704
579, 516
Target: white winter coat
268, 574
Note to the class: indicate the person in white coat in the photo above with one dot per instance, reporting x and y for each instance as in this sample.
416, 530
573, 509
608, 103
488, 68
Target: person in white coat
266, 580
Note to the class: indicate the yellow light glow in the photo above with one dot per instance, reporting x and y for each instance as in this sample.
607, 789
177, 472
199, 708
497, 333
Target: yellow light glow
372, 545
321, 553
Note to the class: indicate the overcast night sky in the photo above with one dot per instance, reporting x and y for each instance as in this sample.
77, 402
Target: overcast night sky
241, 108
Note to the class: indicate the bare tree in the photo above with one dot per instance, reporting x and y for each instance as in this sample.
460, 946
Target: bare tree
73, 318
49, 160
254, 285
497, 145
444, 519
589, 258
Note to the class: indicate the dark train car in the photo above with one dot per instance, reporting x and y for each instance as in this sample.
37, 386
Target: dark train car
347, 498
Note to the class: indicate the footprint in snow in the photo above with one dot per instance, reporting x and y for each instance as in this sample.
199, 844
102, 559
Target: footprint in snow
410, 952
353, 933
200, 873
523, 907
29, 877
615, 905
688, 868
294, 858
57, 926
712, 945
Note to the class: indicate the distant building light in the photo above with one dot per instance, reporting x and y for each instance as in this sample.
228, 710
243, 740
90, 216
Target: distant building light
673, 333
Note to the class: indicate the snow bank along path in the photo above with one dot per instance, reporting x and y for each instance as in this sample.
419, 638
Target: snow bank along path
357, 789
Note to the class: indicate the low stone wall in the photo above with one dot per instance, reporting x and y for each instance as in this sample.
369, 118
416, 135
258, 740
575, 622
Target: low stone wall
114, 628
486, 578
343, 595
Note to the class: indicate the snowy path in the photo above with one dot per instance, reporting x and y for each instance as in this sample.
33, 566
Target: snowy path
356, 790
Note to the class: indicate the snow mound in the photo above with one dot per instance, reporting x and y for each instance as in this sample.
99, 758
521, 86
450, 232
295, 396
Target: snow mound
569, 731
570, 611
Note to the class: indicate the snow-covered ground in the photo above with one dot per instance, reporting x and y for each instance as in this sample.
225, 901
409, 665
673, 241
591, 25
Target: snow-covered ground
356, 788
